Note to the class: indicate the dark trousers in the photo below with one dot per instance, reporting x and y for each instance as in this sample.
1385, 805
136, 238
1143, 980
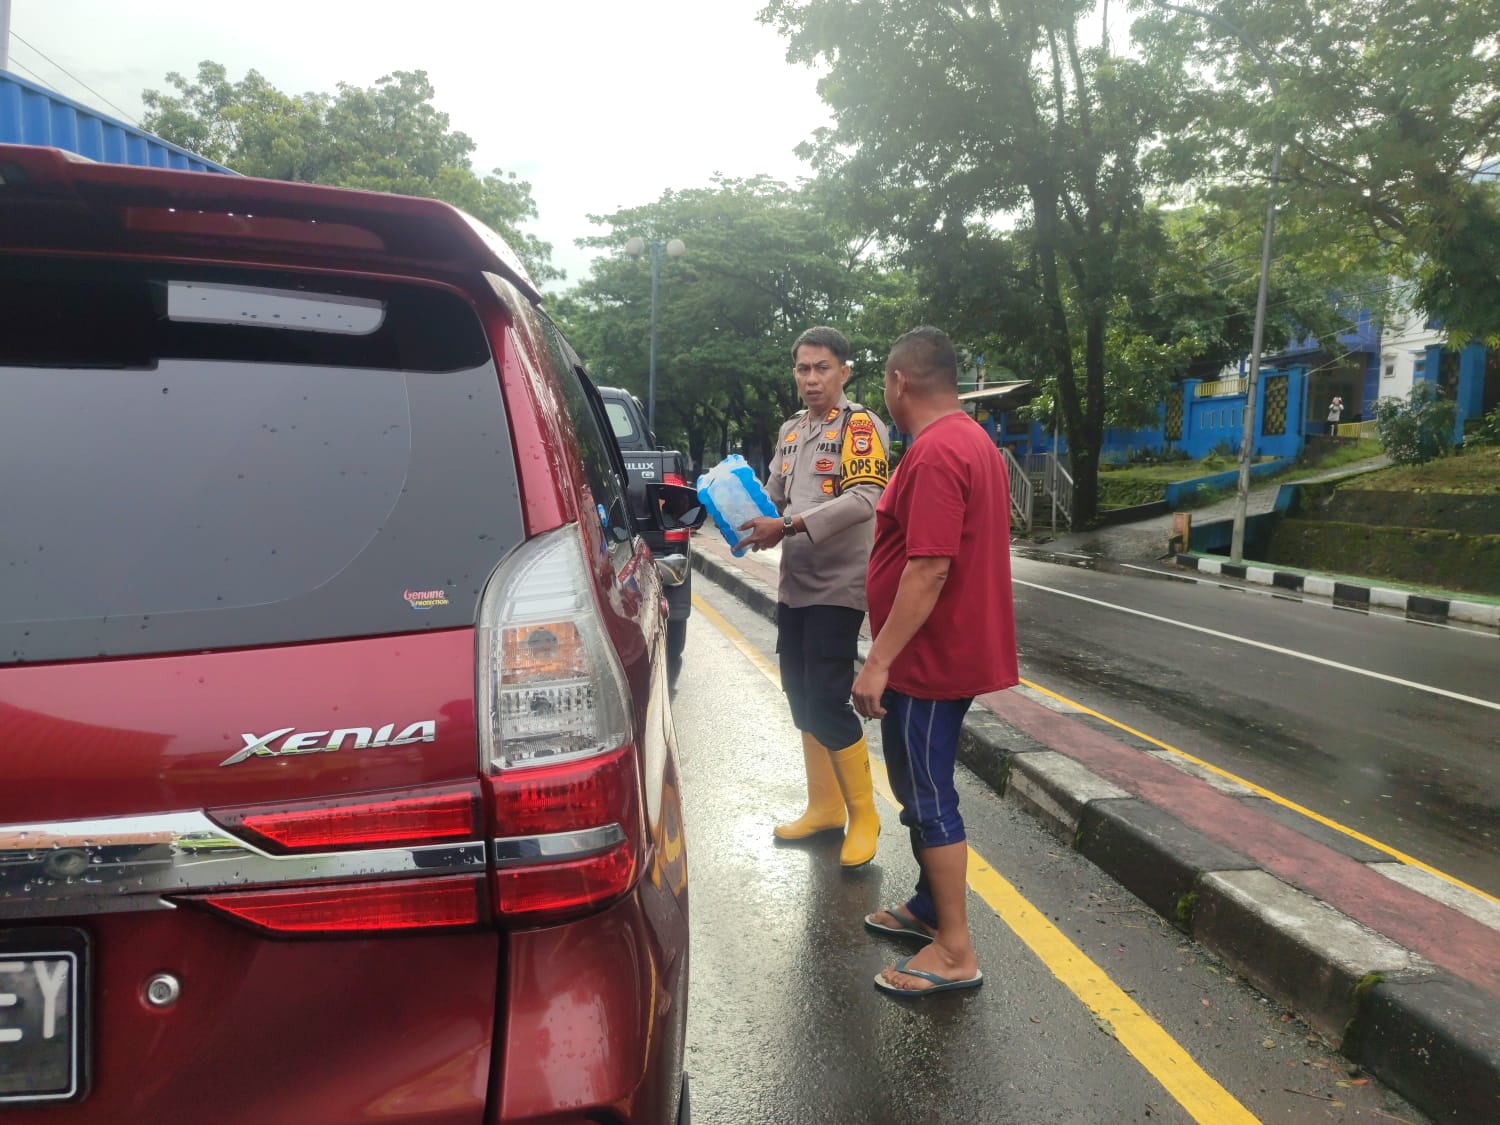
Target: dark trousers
919, 738
816, 646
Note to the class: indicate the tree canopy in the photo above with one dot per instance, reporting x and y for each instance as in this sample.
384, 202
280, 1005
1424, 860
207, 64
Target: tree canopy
1388, 111
955, 119
763, 262
385, 137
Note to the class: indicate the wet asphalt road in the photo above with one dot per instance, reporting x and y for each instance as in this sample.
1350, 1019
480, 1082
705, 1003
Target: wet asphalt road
1415, 770
785, 1025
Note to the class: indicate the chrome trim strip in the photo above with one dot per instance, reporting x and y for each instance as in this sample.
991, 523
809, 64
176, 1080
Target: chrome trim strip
513, 851
128, 863
673, 569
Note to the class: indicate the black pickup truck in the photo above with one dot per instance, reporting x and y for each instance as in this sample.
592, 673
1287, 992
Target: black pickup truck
646, 464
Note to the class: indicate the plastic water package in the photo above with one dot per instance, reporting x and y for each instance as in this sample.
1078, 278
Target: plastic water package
733, 496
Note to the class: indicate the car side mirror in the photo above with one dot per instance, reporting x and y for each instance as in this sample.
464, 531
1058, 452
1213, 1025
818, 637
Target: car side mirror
678, 504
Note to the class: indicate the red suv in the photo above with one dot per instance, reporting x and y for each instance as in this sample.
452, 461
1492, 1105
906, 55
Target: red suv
339, 776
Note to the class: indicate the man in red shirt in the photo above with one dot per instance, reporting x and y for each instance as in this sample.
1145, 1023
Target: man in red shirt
944, 626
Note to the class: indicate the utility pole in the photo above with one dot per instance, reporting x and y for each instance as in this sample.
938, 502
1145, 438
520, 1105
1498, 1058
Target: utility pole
1252, 380
4, 34
635, 247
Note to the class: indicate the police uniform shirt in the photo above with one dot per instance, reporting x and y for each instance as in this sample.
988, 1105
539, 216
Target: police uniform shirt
830, 470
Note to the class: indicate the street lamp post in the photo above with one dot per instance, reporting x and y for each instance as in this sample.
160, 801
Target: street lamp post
635, 248
1252, 381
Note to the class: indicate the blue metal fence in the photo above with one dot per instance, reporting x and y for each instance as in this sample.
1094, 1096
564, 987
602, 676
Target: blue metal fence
34, 115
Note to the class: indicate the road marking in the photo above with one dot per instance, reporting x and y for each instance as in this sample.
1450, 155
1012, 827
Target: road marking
736, 638
1278, 649
1410, 861
1162, 1056
1282, 594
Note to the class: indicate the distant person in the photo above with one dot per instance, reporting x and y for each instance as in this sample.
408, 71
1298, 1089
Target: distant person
827, 474
1335, 412
944, 625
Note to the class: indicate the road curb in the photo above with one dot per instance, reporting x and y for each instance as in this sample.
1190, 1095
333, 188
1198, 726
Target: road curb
1421, 607
1348, 982
741, 583
1288, 944
1427, 1035
1442, 1039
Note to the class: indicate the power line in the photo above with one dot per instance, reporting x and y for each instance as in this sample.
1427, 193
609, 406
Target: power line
19, 65
17, 36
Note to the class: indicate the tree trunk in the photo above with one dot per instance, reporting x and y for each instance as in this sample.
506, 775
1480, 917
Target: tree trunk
1082, 416
1091, 436
697, 442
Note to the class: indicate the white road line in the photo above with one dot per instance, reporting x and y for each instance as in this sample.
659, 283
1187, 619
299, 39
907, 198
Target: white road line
1444, 692
1281, 594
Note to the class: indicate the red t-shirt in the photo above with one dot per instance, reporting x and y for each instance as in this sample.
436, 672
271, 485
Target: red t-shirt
949, 498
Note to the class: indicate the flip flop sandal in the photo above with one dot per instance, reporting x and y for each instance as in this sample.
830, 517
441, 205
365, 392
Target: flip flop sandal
939, 984
907, 927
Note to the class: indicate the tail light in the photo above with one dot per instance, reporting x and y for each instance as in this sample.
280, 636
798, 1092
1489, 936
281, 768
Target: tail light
429, 818
342, 909
555, 739
429, 834
681, 534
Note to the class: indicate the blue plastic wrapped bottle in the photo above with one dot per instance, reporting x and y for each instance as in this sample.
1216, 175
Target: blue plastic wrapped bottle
733, 496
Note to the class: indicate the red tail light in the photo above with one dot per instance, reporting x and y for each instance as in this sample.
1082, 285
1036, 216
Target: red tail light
554, 892
601, 794
591, 793
356, 907
556, 735
681, 534
429, 817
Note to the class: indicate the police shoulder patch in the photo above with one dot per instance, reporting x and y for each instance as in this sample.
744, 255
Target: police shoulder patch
863, 459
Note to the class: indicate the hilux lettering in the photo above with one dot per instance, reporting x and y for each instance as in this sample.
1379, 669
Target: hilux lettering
326, 742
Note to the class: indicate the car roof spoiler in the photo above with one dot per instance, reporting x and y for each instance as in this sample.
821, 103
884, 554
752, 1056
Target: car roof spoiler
54, 200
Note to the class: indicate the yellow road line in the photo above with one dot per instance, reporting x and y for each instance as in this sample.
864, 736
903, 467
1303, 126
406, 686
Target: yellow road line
1161, 1055
737, 639
1410, 861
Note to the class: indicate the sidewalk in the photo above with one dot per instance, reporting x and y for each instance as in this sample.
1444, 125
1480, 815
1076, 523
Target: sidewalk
1148, 541
1394, 965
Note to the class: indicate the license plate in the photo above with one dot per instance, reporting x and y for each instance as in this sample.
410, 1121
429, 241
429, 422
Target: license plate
43, 1005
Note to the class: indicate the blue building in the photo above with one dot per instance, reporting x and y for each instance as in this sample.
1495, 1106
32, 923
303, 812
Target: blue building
1295, 388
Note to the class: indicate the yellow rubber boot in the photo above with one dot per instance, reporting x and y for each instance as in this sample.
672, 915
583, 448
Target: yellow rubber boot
825, 803
852, 766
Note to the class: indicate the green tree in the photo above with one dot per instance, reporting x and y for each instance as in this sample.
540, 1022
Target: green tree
385, 137
955, 119
1386, 110
763, 262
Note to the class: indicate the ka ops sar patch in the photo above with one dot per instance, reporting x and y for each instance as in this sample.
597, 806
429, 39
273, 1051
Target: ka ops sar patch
863, 459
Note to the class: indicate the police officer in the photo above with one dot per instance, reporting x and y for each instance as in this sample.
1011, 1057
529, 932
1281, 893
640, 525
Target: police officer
825, 478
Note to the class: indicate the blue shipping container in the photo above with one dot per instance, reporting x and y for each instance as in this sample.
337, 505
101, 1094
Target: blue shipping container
34, 115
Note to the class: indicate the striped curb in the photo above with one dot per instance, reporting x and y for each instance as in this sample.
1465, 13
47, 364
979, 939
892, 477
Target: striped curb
1421, 607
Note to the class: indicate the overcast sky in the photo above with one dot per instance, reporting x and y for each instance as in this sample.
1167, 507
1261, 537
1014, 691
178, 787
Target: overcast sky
600, 104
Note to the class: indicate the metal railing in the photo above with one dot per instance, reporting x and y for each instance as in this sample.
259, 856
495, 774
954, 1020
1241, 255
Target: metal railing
1355, 429
1021, 491
1057, 483
1220, 387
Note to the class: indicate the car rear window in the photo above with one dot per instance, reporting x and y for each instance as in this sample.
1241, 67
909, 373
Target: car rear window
195, 459
619, 421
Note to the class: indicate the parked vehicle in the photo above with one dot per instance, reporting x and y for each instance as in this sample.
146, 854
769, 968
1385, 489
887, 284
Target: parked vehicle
340, 782
646, 462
